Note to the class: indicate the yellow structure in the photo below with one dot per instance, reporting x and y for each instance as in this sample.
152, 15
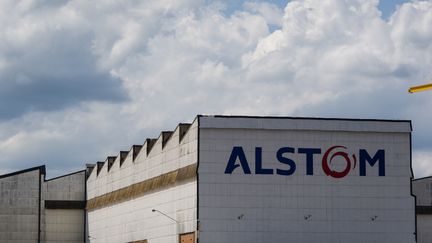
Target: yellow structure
420, 88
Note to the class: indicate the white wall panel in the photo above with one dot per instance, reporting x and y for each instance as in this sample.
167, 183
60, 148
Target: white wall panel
304, 208
134, 220
302, 124
174, 155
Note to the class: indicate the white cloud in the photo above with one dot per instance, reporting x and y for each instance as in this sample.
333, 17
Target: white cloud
422, 164
176, 59
272, 13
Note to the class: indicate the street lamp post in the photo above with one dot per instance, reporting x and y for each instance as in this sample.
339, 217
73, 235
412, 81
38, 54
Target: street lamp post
164, 214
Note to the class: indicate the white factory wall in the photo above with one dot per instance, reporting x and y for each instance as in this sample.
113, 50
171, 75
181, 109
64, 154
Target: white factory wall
250, 208
19, 207
134, 220
63, 225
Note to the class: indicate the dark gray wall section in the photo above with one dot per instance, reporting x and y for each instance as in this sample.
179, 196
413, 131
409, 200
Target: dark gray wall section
19, 207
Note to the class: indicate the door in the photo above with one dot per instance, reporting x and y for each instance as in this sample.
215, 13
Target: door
187, 238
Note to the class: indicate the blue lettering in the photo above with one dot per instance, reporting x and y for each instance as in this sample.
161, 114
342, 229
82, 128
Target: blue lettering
365, 157
238, 159
237, 152
284, 160
258, 163
309, 158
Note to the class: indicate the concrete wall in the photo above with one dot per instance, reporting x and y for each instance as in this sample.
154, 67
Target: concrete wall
250, 208
422, 188
424, 228
64, 225
133, 219
19, 207
65, 188
23, 213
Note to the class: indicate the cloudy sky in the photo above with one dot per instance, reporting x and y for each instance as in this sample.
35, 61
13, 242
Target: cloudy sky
81, 80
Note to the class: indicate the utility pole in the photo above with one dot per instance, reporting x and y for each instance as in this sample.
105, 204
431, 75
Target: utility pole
420, 88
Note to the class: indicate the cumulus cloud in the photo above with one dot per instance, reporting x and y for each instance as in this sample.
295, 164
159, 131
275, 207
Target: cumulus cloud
46, 60
423, 163
82, 80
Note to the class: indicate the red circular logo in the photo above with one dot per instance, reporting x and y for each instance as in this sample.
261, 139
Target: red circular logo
326, 162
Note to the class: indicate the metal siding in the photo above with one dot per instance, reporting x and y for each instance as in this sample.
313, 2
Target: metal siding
299, 208
322, 124
133, 220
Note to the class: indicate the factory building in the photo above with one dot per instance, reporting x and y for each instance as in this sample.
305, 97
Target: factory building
124, 192
254, 179
33, 209
422, 189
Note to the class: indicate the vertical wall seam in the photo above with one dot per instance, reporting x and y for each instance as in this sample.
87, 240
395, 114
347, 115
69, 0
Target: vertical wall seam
40, 201
411, 188
197, 176
85, 210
